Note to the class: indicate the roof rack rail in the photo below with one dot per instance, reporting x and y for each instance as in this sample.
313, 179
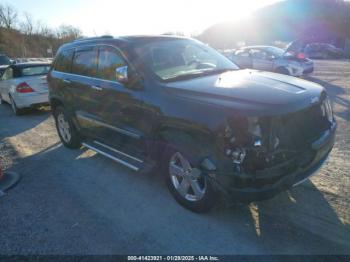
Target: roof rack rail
94, 38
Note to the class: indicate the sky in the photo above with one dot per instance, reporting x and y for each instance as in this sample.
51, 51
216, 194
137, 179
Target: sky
128, 17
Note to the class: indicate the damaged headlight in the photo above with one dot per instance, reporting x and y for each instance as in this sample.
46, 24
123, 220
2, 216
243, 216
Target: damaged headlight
327, 110
250, 142
254, 129
239, 135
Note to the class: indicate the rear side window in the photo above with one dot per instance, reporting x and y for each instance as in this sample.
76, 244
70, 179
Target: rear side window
108, 61
85, 62
64, 61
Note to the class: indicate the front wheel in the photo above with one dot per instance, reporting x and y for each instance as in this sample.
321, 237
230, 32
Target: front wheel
282, 70
66, 130
189, 186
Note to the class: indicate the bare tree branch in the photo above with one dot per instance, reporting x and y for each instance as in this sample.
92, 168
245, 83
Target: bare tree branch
27, 25
8, 16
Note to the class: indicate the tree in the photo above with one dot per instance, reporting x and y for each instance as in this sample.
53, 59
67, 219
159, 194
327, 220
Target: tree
8, 16
68, 32
27, 25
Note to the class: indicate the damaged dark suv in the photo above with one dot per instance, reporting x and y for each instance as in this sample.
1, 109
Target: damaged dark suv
175, 106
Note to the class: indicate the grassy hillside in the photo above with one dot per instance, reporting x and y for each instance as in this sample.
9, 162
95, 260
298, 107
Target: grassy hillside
15, 44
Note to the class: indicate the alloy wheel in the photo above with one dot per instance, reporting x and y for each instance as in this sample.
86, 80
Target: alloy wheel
64, 128
187, 180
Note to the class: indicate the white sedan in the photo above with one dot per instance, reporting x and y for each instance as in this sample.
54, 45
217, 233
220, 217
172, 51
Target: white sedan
24, 85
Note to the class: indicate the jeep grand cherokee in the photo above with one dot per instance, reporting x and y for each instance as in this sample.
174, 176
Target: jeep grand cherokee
177, 107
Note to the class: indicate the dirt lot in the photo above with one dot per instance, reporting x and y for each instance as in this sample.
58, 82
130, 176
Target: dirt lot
77, 202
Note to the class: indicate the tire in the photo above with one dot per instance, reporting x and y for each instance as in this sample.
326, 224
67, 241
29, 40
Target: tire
17, 111
66, 130
282, 70
1, 100
183, 185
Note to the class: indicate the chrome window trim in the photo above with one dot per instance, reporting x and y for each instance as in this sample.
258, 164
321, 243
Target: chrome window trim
89, 77
96, 45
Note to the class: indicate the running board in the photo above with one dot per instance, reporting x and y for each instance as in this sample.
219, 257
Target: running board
116, 155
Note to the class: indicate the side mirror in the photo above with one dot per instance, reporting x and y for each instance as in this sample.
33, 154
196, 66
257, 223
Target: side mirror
121, 74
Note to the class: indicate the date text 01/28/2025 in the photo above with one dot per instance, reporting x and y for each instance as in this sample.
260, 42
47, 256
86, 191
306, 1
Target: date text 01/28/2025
173, 258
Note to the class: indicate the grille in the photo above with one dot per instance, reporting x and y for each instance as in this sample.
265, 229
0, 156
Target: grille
298, 130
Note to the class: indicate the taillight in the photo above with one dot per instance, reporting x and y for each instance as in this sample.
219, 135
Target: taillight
301, 56
24, 88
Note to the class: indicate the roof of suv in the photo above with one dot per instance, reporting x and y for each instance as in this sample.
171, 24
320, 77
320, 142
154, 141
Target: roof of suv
122, 39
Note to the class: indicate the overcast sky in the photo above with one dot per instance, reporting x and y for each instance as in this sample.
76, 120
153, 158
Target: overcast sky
128, 17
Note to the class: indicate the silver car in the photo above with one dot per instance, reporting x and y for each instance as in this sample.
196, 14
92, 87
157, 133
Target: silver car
24, 85
270, 58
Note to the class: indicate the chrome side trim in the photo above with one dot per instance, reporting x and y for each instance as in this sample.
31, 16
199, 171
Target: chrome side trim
111, 157
117, 151
122, 131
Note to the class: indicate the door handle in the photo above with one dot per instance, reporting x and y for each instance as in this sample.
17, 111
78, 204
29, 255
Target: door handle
66, 81
97, 88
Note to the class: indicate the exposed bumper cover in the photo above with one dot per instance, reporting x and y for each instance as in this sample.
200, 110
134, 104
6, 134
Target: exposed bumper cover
272, 181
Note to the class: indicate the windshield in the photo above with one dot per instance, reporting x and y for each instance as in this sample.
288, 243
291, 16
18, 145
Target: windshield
182, 58
4, 60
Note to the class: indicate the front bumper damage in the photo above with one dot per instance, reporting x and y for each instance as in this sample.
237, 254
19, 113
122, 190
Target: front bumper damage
269, 182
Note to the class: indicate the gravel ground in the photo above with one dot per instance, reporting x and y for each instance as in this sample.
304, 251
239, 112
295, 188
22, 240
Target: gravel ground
77, 202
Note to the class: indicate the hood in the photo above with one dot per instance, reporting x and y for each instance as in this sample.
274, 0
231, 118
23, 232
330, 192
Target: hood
250, 89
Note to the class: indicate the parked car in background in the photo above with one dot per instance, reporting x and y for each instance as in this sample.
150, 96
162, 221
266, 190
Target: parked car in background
274, 59
176, 106
315, 50
323, 51
4, 63
24, 85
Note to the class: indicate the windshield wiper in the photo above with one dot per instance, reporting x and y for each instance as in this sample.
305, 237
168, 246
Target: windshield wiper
198, 74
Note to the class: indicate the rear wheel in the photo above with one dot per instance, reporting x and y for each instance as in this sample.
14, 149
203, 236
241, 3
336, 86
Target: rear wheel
17, 111
66, 130
189, 186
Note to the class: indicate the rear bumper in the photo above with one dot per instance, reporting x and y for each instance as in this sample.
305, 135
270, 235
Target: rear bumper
275, 180
31, 99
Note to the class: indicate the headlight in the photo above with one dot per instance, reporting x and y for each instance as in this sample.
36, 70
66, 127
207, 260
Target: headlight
327, 111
